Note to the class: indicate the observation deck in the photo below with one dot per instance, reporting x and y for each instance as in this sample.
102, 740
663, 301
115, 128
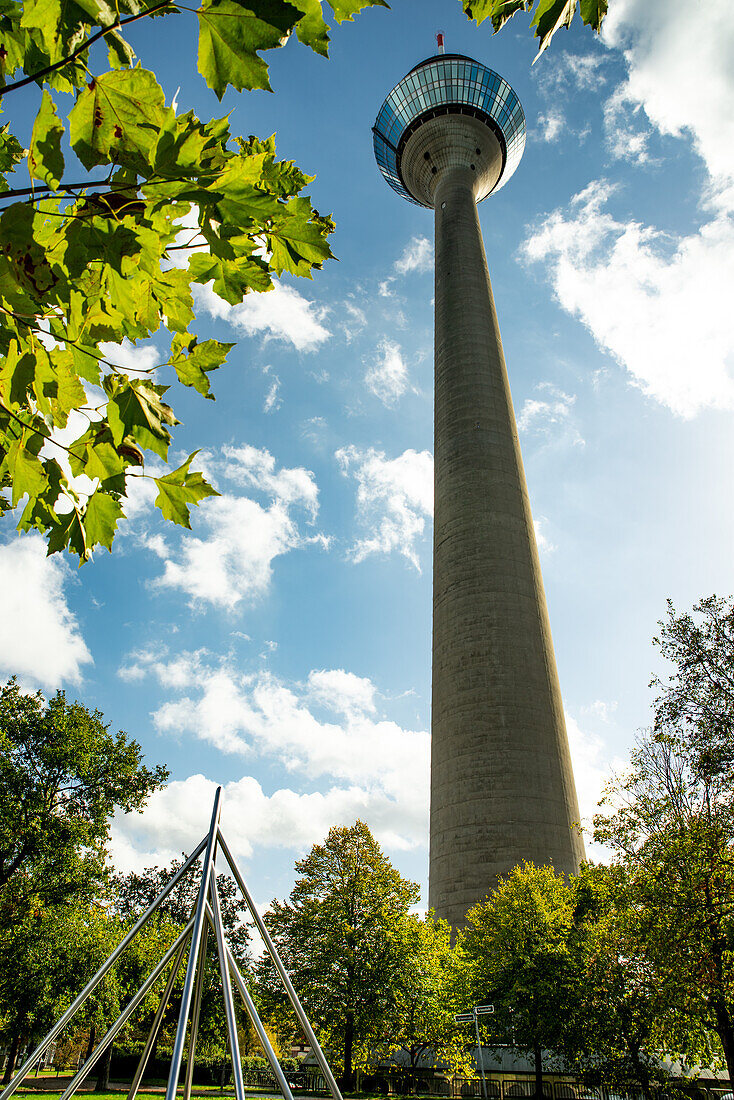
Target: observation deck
477, 123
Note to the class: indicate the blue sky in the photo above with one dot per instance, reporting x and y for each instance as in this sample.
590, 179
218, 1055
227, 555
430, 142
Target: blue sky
282, 648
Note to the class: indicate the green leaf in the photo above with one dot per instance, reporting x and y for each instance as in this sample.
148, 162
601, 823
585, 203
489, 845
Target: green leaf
550, 16
101, 516
230, 35
193, 361
26, 471
231, 279
97, 458
135, 409
593, 13
180, 489
117, 118
312, 29
11, 153
119, 52
347, 9
45, 159
498, 11
67, 530
300, 243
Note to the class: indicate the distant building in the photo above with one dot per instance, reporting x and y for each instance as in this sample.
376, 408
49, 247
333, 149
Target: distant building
450, 133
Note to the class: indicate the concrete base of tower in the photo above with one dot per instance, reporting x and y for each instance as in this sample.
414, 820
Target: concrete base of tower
502, 787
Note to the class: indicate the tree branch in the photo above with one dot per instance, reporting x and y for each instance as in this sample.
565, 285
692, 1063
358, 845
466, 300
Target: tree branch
84, 47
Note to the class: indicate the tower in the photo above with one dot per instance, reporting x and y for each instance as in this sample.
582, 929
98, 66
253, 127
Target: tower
450, 133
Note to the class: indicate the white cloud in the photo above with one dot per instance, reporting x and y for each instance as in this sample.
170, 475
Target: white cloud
263, 715
566, 73
255, 468
661, 307
394, 497
355, 322
417, 256
40, 639
177, 817
130, 358
681, 72
545, 546
600, 709
230, 556
627, 131
272, 401
592, 768
387, 377
552, 124
374, 769
341, 691
659, 303
279, 314
550, 416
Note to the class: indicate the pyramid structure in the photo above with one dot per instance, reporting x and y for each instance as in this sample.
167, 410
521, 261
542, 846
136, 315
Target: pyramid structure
206, 917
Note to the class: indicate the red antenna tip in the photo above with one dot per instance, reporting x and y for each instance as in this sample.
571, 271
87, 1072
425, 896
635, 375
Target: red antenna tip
439, 40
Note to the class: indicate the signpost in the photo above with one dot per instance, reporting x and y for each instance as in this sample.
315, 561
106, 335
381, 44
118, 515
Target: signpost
466, 1018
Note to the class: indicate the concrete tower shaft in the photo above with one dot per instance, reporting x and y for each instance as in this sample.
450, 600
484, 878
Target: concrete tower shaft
502, 787
502, 790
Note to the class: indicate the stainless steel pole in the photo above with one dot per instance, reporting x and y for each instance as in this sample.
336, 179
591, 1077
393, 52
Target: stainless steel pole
303, 1019
480, 1056
126, 1014
194, 1030
94, 982
257, 1024
193, 950
222, 951
154, 1027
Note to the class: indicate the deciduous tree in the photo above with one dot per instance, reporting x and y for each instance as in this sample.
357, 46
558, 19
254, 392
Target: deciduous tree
426, 997
517, 946
341, 934
670, 820
62, 776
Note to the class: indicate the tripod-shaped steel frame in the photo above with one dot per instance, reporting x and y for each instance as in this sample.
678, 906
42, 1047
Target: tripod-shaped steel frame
206, 914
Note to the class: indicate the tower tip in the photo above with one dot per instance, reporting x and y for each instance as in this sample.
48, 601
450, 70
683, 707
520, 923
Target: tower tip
439, 40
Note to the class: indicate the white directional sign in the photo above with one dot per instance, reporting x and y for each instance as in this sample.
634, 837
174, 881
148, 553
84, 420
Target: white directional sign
464, 1017
482, 1010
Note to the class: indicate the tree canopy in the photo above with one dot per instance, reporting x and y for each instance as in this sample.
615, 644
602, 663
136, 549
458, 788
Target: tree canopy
340, 934
104, 248
670, 820
62, 776
518, 956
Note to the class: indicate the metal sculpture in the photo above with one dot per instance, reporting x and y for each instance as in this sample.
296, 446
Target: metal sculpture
206, 915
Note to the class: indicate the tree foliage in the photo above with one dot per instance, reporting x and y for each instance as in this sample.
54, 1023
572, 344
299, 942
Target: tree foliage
421, 1025
548, 15
62, 776
517, 946
341, 934
622, 1026
670, 820
104, 246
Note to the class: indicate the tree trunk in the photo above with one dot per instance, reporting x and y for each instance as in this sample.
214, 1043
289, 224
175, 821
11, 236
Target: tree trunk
91, 1042
538, 1055
641, 1070
348, 1049
103, 1077
12, 1058
725, 1031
